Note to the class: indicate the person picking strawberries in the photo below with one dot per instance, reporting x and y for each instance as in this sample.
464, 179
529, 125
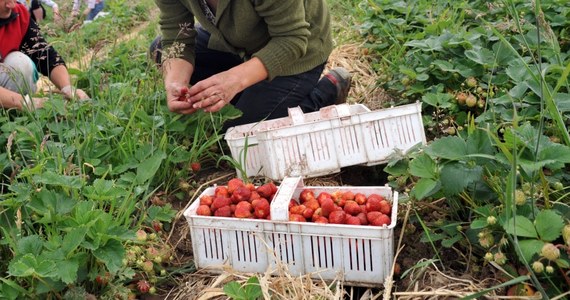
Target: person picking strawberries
261, 56
24, 52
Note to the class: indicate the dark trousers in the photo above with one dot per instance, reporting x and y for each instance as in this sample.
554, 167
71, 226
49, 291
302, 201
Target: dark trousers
266, 99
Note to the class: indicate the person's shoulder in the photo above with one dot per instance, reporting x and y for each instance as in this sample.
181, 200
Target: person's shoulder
19, 7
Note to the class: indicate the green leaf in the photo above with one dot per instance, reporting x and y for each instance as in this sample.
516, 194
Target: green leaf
32, 244
147, 169
67, 270
424, 187
28, 265
11, 290
448, 243
423, 166
482, 56
111, 254
234, 291
73, 239
451, 147
479, 223
549, 225
444, 65
520, 226
455, 177
530, 247
562, 263
51, 178
479, 142
252, 288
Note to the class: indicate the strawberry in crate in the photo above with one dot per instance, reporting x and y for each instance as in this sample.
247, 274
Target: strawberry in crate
340, 207
238, 199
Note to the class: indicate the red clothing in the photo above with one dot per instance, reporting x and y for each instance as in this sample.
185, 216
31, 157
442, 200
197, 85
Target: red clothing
20, 33
13, 32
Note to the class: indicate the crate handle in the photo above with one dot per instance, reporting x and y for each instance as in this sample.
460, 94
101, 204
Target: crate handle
296, 115
280, 204
334, 111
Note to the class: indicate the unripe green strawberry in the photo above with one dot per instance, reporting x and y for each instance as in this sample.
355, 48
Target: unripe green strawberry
471, 100
549, 269
550, 252
500, 258
520, 197
141, 235
152, 290
491, 220
183, 185
471, 82
489, 256
147, 266
486, 239
538, 267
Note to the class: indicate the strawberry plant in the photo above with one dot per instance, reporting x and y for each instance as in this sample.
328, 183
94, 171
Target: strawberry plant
250, 290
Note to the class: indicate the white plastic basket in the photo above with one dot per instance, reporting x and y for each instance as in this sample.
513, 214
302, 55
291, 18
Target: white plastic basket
344, 137
322, 142
255, 160
359, 255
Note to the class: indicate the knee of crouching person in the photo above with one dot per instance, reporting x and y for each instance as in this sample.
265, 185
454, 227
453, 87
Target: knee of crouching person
19, 73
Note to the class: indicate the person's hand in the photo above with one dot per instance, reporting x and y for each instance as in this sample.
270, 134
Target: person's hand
177, 99
215, 92
56, 15
29, 103
70, 93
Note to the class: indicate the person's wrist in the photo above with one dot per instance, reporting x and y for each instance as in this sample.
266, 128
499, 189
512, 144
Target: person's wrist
26, 101
67, 90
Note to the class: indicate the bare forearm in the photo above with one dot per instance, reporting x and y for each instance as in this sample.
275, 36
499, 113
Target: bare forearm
10, 99
249, 72
60, 77
177, 70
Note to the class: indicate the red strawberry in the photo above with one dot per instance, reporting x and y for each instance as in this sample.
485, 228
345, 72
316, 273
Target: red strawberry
241, 193
157, 225
195, 166
337, 217
385, 207
233, 184
261, 208
327, 206
243, 210
204, 210
307, 195
183, 94
265, 191
297, 218
206, 200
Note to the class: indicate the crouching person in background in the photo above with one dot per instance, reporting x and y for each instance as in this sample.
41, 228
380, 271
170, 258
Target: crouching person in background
24, 54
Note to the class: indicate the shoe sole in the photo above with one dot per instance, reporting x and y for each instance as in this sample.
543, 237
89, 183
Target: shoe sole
343, 93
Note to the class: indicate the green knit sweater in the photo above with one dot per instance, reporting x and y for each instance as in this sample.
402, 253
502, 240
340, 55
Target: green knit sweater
288, 36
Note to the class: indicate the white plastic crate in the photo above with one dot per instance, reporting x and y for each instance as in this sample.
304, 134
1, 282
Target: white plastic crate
254, 161
316, 148
360, 255
321, 143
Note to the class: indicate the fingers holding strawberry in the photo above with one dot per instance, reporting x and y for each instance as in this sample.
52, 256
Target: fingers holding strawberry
177, 98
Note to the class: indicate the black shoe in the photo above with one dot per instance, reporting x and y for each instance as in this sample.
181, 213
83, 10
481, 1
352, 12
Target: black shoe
342, 79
